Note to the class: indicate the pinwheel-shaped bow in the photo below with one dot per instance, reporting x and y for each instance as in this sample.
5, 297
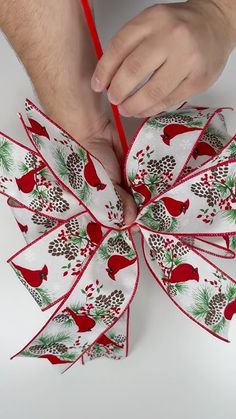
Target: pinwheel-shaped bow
181, 170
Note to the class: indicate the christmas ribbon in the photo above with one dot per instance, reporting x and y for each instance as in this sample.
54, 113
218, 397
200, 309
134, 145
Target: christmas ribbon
181, 170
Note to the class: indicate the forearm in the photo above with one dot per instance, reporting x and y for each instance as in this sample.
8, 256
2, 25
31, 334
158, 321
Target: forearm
52, 40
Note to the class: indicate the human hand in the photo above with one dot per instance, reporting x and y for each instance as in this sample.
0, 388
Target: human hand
183, 46
105, 146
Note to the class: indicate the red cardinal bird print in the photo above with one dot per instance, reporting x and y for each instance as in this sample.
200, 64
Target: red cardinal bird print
54, 359
28, 181
116, 263
37, 129
84, 322
105, 341
182, 273
172, 130
33, 278
23, 228
142, 190
91, 176
174, 207
94, 232
204, 149
230, 310
227, 240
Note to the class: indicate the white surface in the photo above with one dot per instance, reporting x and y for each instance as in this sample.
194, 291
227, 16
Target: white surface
175, 369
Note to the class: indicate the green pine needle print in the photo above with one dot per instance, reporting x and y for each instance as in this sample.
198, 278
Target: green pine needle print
231, 292
39, 142
82, 153
103, 253
76, 307
173, 226
232, 149
28, 354
132, 176
45, 296
148, 220
84, 193
23, 168
202, 298
181, 287
6, 161
69, 356
51, 339
233, 242
154, 123
219, 327
230, 215
60, 159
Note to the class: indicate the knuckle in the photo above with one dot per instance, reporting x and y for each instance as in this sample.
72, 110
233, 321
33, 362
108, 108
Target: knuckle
133, 66
155, 93
182, 31
115, 45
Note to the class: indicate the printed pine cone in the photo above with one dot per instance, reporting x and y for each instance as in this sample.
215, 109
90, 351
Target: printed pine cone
61, 318
118, 245
73, 226
53, 348
31, 160
158, 211
36, 205
60, 205
57, 247
213, 317
213, 197
156, 167
41, 220
116, 298
220, 173
211, 138
216, 305
74, 163
170, 118
200, 190
71, 251
156, 243
218, 302
54, 193
102, 302
171, 289
75, 181
180, 249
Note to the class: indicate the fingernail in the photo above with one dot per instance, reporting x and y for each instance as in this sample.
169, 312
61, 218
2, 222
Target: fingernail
112, 98
96, 84
123, 111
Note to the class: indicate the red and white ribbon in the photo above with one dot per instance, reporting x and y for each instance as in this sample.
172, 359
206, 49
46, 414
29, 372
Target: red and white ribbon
181, 170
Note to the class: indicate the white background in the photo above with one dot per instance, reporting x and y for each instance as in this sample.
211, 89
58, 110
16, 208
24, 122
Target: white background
175, 369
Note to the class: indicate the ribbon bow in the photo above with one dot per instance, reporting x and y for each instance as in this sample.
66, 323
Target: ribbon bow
181, 170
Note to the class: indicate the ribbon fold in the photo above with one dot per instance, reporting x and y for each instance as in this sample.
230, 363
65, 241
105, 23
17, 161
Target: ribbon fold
181, 170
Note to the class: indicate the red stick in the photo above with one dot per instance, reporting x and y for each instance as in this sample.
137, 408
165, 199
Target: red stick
99, 52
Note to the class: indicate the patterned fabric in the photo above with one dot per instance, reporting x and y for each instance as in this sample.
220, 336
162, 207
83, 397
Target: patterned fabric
181, 170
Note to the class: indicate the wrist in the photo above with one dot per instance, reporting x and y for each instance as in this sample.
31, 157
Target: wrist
222, 10
82, 118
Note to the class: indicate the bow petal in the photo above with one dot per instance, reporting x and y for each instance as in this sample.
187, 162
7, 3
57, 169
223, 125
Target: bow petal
99, 297
63, 253
198, 287
171, 145
74, 168
25, 178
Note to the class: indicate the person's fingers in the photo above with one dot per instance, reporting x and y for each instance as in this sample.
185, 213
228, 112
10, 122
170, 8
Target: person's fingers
140, 64
182, 93
117, 49
154, 93
130, 208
